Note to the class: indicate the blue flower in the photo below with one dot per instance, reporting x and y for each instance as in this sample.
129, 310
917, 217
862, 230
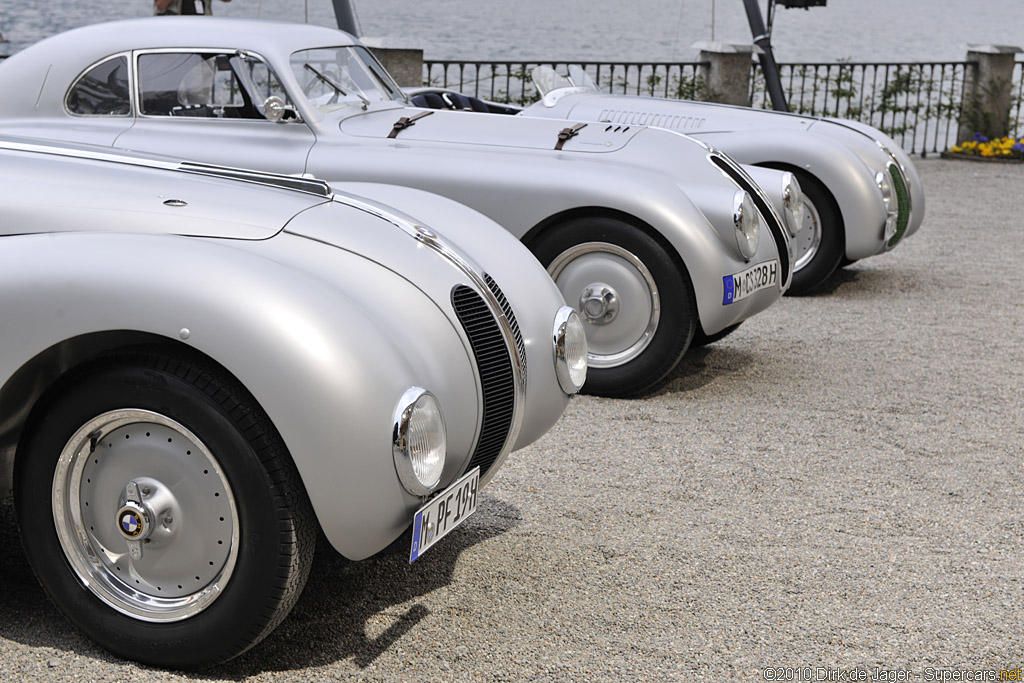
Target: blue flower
978, 137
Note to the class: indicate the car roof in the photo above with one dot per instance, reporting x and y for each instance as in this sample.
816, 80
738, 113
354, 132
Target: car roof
47, 68
157, 32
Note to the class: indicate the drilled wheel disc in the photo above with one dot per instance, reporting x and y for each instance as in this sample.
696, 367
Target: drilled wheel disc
145, 515
808, 237
617, 298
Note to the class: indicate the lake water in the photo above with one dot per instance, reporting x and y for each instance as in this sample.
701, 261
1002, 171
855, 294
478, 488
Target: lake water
598, 30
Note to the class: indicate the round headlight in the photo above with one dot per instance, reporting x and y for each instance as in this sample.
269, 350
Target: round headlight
419, 441
792, 203
748, 223
889, 200
570, 339
885, 187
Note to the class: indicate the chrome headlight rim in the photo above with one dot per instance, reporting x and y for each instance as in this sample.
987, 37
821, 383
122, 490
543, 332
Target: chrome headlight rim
747, 222
417, 402
792, 203
889, 201
569, 342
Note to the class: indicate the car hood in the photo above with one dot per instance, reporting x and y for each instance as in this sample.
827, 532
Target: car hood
680, 115
470, 128
187, 203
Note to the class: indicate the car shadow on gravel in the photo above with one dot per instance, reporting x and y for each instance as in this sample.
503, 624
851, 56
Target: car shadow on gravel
26, 615
701, 366
358, 610
842, 276
348, 610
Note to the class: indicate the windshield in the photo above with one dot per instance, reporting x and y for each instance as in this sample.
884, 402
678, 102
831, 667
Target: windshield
547, 80
336, 77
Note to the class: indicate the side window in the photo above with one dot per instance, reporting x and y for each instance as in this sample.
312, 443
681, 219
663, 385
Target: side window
205, 85
266, 84
103, 90
171, 84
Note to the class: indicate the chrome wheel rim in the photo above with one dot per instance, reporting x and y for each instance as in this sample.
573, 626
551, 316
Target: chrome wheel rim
808, 237
145, 516
620, 294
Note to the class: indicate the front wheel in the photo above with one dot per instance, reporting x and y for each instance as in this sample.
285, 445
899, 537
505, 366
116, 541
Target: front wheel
161, 511
820, 241
636, 302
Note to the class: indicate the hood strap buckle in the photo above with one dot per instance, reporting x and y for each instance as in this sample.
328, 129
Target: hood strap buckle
406, 121
567, 134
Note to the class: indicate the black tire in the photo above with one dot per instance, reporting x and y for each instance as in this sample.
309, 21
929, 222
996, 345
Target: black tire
576, 252
701, 339
269, 529
829, 251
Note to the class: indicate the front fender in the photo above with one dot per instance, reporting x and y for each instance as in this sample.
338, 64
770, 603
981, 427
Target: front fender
866, 138
850, 181
317, 358
532, 294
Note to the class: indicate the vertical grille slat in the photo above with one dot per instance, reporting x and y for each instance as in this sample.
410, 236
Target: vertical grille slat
506, 308
497, 377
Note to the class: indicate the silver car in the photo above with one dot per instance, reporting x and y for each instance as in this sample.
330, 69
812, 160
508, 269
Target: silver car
861, 191
201, 367
656, 238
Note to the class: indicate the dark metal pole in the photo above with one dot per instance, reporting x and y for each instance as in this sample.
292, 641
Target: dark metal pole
768, 66
346, 17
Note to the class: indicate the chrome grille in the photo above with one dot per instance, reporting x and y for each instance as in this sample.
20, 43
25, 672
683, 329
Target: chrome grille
899, 186
506, 308
764, 207
497, 378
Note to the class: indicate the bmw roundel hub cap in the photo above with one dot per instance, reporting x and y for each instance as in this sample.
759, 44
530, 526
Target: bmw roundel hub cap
131, 522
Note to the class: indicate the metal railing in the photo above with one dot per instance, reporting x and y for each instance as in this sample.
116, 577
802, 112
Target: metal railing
920, 104
510, 83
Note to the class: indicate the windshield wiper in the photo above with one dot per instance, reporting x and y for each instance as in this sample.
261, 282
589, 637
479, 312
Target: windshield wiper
331, 82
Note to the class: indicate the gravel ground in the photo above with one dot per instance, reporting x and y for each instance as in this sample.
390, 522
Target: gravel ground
835, 485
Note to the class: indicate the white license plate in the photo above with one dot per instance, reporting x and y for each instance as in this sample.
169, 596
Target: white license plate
755, 278
443, 513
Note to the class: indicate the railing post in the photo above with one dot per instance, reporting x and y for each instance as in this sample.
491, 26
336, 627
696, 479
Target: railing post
988, 91
727, 76
404, 64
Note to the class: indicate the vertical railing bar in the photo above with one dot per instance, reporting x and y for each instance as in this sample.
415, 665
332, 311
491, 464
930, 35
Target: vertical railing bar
906, 111
942, 82
916, 114
927, 111
803, 86
860, 101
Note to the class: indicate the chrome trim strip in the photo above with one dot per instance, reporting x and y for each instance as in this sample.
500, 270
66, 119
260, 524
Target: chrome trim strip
301, 183
313, 186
